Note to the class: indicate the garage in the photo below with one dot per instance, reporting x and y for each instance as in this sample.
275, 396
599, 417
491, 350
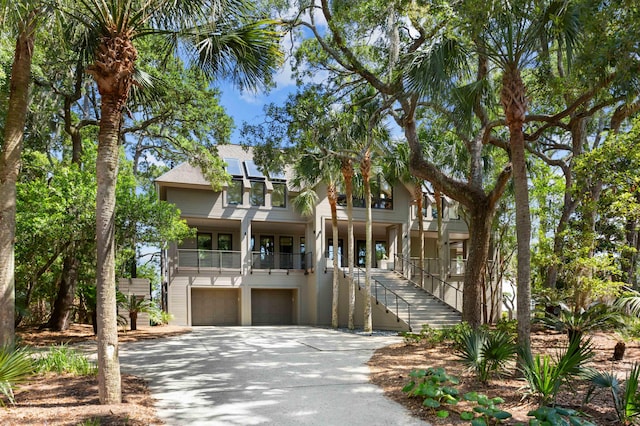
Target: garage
214, 307
272, 306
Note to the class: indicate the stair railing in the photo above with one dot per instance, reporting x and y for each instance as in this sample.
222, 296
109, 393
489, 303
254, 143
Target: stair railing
438, 289
386, 294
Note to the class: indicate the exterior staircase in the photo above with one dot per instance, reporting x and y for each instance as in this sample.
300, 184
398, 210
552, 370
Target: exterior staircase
424, 308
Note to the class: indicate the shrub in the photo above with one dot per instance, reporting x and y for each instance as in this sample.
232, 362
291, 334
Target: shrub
16, 365
486, 411
626, 399
597, 316
485, 352
557, 416
435, 386
544, 377
63, 359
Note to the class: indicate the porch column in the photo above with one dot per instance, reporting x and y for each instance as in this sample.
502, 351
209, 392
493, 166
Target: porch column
392, 241
245, 245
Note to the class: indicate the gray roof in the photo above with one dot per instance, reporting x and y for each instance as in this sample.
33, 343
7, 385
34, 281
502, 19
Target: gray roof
186, 174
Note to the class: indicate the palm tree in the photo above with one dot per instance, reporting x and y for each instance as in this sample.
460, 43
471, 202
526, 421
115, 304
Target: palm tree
511, 34
27, 16
223, 41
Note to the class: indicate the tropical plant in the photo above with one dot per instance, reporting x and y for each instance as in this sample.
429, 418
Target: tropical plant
626, 399
16, 365
557, 416
485, 352
597, 316
135, 305
486, 408
545, 377
435, 386
222, 37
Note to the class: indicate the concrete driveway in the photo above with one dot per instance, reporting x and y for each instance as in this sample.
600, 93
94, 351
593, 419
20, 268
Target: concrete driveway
264, 375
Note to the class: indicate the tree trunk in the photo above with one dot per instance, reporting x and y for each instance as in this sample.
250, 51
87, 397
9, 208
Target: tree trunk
9, 170
365, 167
480, 220
59, 319
347, 173
109, 385
133, 319
515, 106
333, 202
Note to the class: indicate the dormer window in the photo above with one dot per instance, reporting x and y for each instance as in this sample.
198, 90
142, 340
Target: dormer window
256, 194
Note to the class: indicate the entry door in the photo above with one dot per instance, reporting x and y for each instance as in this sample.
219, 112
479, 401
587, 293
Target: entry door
286, 252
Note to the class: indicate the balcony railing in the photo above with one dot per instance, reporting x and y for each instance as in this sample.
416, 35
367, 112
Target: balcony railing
449, 293
209, 259
285, 261
432, 266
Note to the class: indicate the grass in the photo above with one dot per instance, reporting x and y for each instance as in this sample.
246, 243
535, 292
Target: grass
63, 359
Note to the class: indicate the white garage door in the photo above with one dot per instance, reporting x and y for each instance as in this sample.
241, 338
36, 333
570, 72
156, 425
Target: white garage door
214, 307
272, 307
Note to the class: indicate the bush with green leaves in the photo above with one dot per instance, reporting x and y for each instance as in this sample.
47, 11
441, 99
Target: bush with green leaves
63, 359
485, 352
545, 377
435, 336
16, 366
557, 416
597, 316
626, 399
436, 388
486, 412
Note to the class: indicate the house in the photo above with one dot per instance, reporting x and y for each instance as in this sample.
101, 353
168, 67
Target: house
256, 261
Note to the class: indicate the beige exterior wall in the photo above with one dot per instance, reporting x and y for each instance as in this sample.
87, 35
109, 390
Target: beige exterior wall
209, 212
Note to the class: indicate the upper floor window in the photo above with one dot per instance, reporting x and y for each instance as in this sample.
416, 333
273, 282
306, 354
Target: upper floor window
381, 195
225, 242
279, 195
234, 192
256, 194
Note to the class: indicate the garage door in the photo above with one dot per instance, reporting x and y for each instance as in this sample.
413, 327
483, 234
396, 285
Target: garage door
271, 307
214, 307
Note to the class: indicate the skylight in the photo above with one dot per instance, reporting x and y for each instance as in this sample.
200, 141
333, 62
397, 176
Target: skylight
233, 166
252, 170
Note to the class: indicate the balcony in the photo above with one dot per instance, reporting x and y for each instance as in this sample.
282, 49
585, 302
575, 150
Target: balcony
280, 261
209, 260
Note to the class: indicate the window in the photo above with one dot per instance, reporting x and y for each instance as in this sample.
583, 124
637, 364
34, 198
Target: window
279, 195
256, 195
204, 241
286, 252
381, 195
266, 252
225, 242
234, 192
331, 250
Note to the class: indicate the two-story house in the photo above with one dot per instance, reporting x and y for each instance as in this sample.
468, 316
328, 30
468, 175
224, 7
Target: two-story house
256, 261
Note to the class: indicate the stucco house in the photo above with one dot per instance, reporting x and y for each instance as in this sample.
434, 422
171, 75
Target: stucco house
257, 261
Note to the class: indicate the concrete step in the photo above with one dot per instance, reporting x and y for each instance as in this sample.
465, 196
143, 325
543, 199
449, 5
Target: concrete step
425, 308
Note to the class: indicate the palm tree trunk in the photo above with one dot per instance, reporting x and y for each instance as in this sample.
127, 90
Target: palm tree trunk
347, 172
515, 105
107, 171
333, 202
9, 169
365, 167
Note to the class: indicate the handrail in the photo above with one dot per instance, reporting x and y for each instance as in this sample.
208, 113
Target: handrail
210, 259
285, 261
386, 290
443, 284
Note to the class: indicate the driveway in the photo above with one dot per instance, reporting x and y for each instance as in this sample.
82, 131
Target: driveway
264, 375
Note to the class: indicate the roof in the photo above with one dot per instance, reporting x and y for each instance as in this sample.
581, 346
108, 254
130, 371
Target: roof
186, 174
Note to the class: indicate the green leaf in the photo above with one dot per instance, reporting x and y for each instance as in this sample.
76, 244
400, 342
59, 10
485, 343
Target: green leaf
501, 415
467, 415
478, 422
471, 396
442, 414
431, 403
